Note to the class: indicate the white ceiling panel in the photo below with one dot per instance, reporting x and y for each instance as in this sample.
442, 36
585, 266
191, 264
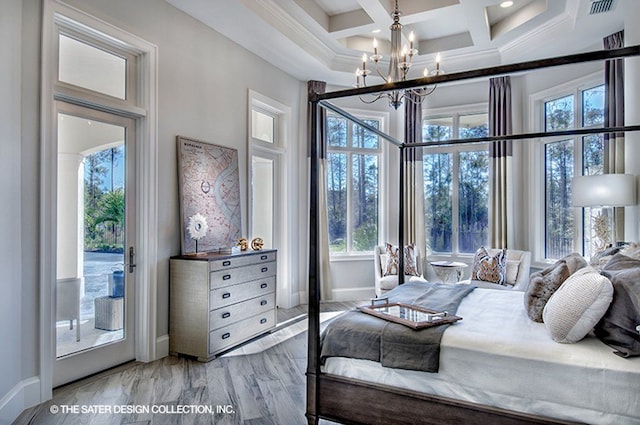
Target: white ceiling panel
336, 7
325, 39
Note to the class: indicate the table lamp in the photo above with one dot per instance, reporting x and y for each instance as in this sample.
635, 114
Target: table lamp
605, 191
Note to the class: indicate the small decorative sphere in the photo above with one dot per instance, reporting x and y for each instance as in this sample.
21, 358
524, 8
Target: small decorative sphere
256, 244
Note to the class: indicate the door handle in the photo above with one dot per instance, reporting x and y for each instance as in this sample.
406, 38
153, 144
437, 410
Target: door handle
132, 263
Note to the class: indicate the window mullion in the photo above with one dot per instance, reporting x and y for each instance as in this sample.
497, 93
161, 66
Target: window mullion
350, 195
455, 212
349, 242
578, 213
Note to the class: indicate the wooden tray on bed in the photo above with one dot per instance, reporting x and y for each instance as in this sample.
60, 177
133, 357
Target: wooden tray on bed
409, 315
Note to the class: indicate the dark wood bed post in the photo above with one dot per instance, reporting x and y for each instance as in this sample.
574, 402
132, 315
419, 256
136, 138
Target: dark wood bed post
402, 153
313, 342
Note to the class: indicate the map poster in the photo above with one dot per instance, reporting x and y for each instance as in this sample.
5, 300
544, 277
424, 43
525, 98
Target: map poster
209, 190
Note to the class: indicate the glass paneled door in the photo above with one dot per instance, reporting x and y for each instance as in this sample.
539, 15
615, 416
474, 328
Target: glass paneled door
95, 260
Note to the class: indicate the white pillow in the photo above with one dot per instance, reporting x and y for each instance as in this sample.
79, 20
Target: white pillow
512, 271
575, 308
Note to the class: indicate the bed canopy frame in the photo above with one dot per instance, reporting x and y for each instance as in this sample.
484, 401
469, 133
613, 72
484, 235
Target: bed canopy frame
357, 402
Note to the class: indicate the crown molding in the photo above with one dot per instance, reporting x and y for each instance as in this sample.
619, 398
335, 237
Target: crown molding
283, 22
536, 35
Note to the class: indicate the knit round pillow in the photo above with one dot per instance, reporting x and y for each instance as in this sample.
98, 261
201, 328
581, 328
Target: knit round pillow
575, 308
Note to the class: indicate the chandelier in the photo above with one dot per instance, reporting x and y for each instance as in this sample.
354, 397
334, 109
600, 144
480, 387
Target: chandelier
399, 65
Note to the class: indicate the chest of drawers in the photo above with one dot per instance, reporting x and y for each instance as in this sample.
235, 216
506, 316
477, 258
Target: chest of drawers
219, 301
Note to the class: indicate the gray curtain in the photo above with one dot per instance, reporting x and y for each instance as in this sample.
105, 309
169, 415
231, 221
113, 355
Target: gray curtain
614, 117
500, 163
323, 236
414, 182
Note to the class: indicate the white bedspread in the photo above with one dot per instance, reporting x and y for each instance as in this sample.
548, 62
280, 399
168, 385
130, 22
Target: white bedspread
496, 356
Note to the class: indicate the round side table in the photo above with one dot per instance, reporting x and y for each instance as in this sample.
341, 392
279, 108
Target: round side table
448, 271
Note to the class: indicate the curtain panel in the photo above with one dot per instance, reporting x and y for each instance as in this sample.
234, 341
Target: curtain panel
614, 117
326, 292
500, 163
414, 225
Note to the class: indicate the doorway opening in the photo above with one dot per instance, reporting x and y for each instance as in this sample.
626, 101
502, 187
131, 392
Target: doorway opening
91, 235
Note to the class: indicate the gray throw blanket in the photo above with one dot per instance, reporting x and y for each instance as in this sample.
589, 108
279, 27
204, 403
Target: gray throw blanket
359, 335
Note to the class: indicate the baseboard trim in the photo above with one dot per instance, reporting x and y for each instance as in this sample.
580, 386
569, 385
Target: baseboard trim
162, 346
24, 395
345, 294
298, 298
351, 294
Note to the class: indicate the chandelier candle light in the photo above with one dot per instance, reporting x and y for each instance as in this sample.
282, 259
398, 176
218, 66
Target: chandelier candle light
400, 61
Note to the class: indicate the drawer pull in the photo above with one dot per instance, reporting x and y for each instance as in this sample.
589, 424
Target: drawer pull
263, 285
225, 336
226, 295
226, 277
263, 302
226, 315
265, 269
263, 321
226, 263
263, 257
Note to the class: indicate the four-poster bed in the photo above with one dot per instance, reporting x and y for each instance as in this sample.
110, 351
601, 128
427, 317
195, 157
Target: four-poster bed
352, 400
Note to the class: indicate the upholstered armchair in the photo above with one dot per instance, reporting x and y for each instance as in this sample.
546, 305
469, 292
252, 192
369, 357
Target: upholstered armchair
68, 292
517, 271
386, 283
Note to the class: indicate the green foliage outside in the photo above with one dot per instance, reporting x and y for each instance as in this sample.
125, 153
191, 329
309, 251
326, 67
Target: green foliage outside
352, 177
560, 157
103, 202
360, 189
472, 186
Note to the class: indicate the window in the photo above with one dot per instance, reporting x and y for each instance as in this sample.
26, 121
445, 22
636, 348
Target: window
89, 67
263, 125
456, 185
353, 180
567, 229
268, 128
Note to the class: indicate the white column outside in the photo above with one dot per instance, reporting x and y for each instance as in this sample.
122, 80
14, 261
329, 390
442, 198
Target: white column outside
70, 232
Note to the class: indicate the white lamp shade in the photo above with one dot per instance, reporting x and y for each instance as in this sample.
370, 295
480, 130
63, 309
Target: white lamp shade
604, 190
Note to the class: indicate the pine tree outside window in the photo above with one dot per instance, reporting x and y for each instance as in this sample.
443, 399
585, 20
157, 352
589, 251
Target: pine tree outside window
353, 185
456, 187
565, 229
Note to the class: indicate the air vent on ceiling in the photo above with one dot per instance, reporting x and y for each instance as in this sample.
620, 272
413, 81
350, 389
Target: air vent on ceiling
600, 6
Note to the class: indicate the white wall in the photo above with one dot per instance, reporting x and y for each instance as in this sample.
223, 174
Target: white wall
10, 207
19, 150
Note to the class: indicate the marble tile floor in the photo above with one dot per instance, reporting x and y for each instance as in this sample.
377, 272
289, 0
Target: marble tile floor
263, 383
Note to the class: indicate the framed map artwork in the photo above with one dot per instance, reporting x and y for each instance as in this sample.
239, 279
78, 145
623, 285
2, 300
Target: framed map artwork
209, 190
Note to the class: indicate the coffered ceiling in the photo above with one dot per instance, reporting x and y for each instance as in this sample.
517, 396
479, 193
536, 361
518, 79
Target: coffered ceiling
325, 39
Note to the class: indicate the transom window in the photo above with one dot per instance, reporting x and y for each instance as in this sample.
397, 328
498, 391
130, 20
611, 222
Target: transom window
456, 184
263, 125
568, 229
95, 65
353, 181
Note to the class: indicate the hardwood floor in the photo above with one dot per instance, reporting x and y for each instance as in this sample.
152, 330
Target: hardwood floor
264, 388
